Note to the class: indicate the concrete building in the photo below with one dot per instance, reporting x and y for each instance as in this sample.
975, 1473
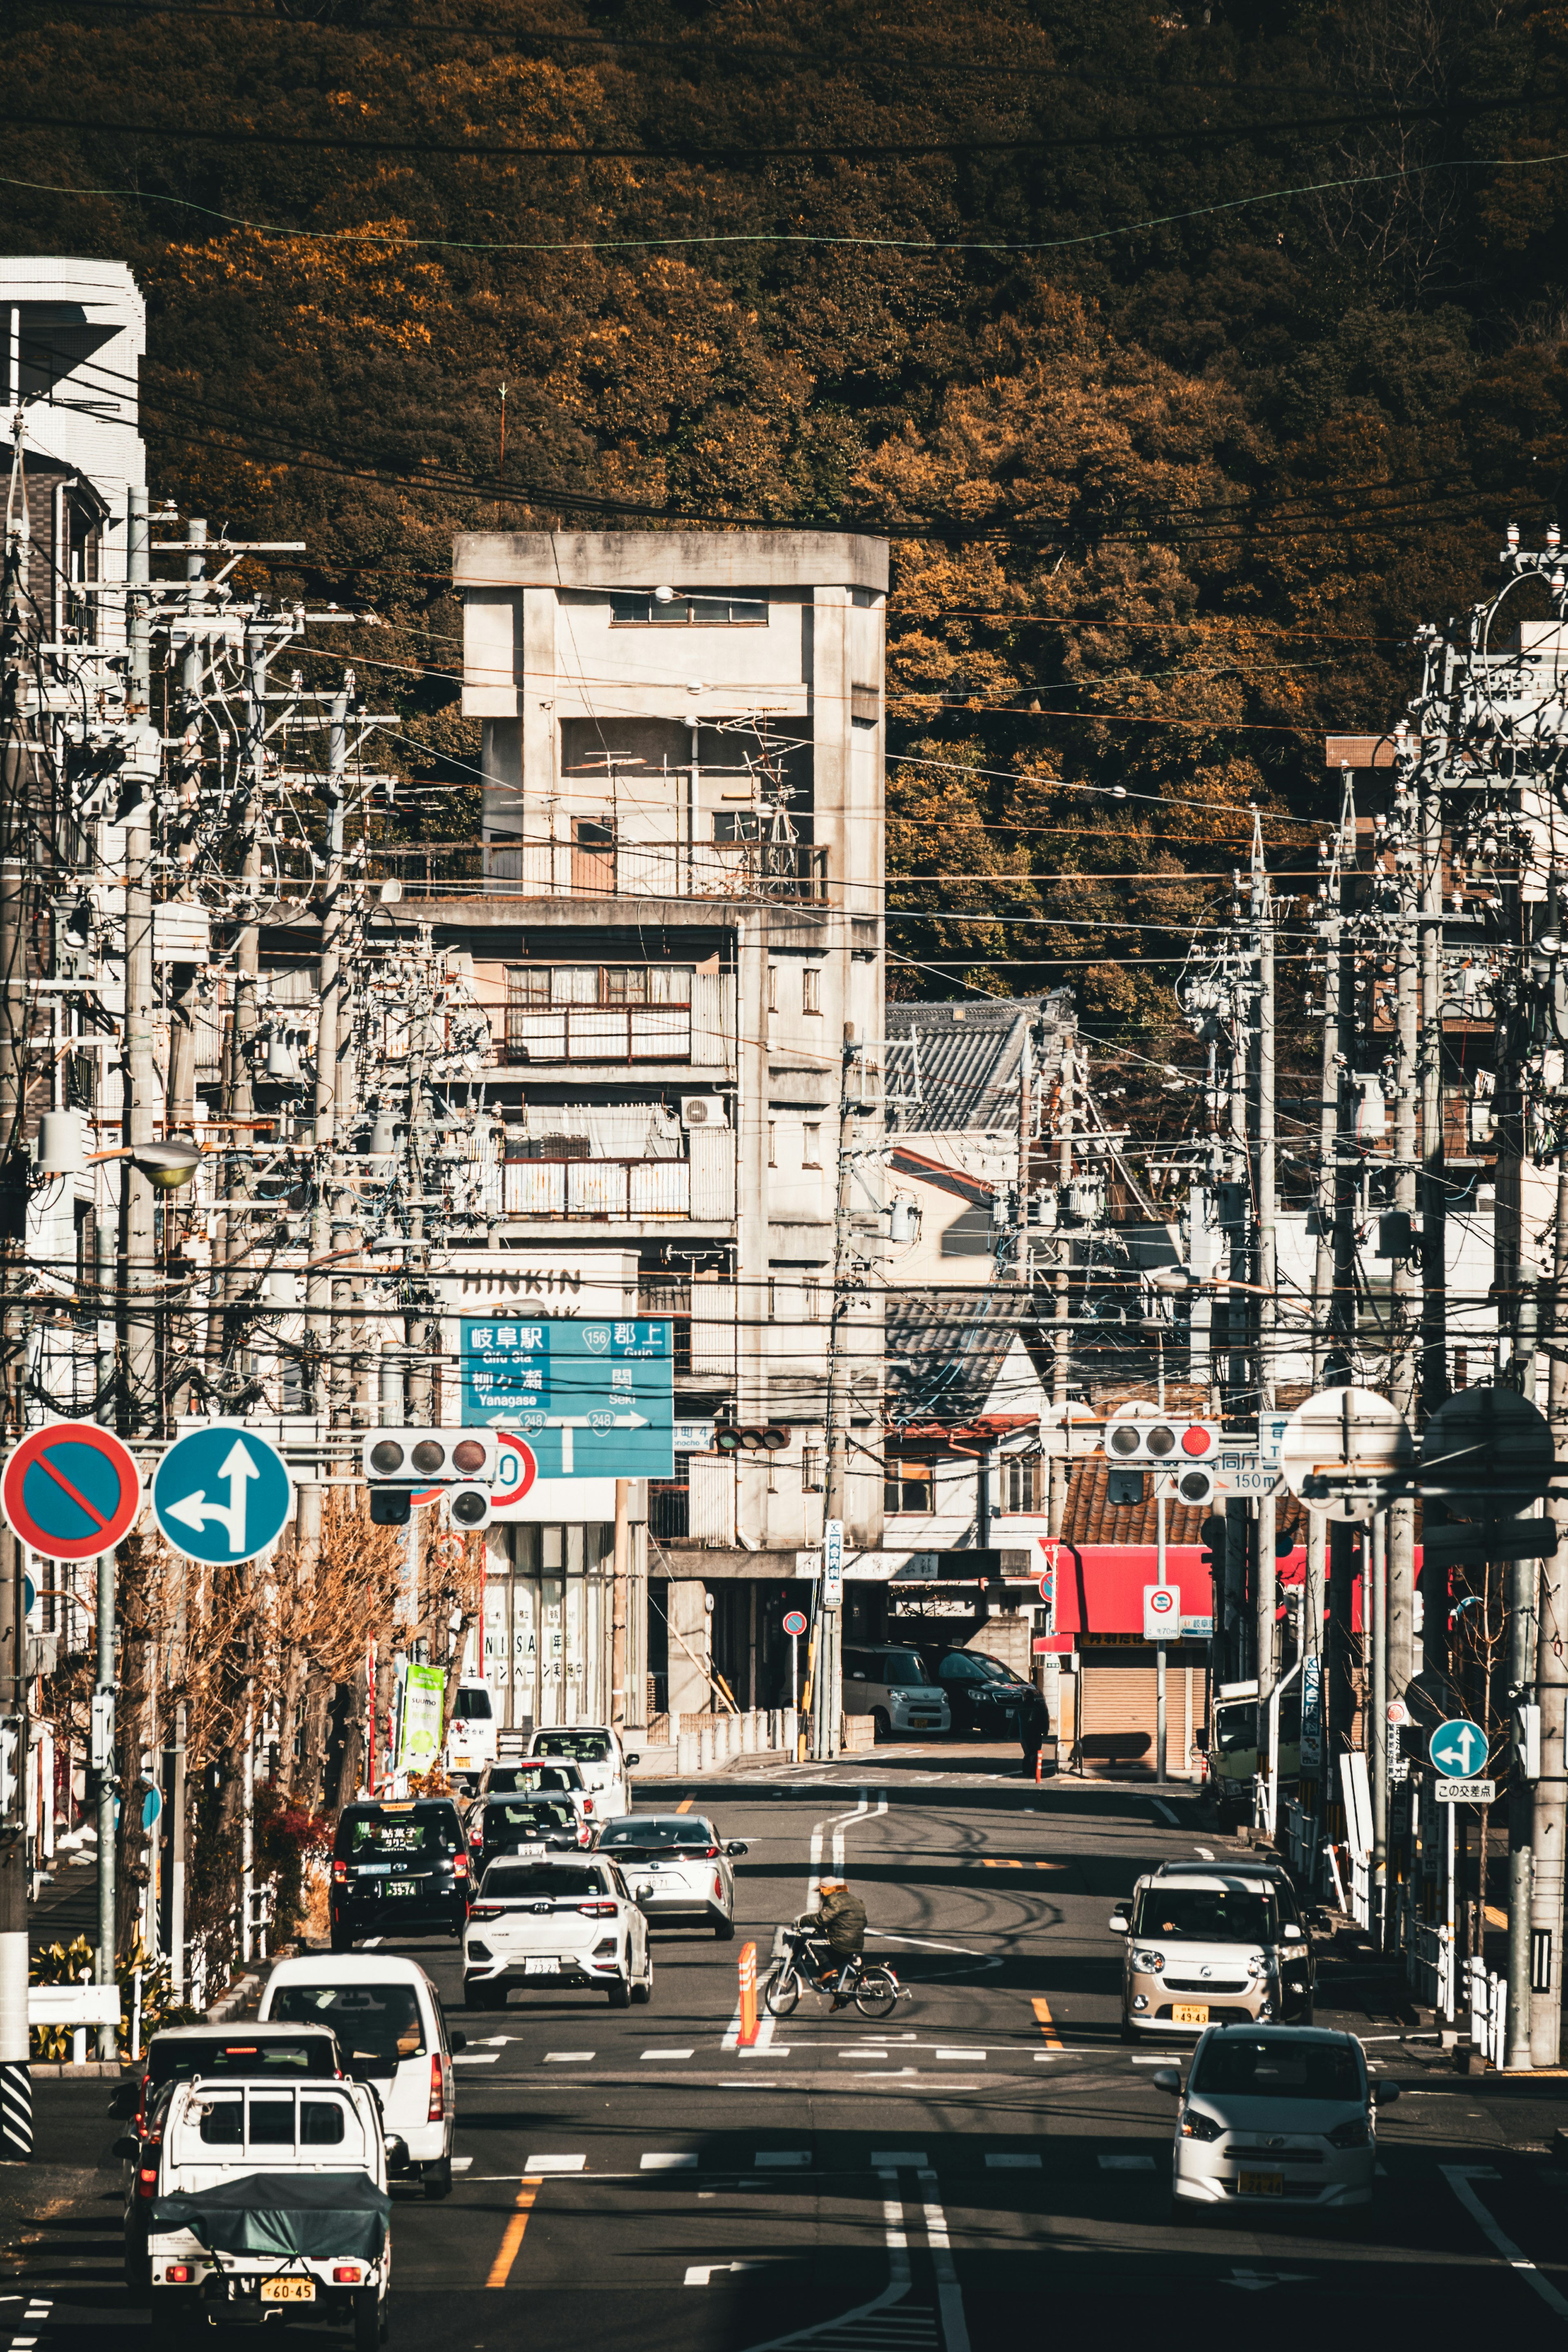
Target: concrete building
673, 924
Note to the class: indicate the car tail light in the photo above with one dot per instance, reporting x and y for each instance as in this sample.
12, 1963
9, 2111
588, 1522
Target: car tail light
597, 1910
339, 1872
476, 1839
177, 2274
460, 1867
147, 2181
486, 1911
587, 1804
718, 1888
346, 2275
437, 2089
710, 1853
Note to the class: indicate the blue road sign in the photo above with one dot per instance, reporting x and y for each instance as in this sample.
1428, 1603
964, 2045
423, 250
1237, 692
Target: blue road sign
71, 1490
152, 1806
29, 1594
222, 1494
1458, 1748
593, 1400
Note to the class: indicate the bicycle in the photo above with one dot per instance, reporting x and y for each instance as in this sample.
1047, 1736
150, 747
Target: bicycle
871, 1984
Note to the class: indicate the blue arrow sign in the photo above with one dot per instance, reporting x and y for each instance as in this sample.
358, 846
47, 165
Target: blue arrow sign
29, 1595
1458, 1748
595, 1400
222, 1494
152, 1806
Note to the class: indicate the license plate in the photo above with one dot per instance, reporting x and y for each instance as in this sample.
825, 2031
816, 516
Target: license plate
1261, 2184
541, 1968
401, 1887
921, 1722
1190, 2012
290, 2290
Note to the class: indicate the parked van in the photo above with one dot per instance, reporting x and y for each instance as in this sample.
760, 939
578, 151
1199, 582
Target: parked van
472, 1732
891, 1684
388, 2020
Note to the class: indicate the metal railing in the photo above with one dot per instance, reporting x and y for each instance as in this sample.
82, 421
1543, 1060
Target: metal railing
1487, 1996
1429, 1965
631, 869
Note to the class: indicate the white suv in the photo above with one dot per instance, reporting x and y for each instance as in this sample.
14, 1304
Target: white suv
555, 1920
597, 1752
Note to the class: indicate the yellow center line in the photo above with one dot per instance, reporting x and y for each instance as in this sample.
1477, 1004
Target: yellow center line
686, 1804
511, 2244
1042, 2009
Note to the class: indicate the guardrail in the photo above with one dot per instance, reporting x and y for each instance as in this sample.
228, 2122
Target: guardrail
1487, 1996
1429, 1965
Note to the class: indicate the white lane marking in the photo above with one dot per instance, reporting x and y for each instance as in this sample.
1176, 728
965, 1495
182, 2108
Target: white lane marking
924, 1942
668, 2160
779, 2158
556, 2164
477, 2058
1204, 1852
567, 2057
36, 2313
461, 2163
1164, 1813
961, 2053
1012, 2163
372, 1944
1127, 2164
1256, 2279
949, 2301
893, 2158
669, 2053
1461, 2179
700, 2273
1178, 2054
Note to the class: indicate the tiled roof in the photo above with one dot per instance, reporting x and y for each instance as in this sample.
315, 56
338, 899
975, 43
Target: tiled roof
1091, 1519
948, 1355
969, 1055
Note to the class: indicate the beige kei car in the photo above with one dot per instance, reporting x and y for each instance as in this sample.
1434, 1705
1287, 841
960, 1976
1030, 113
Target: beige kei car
1208, 1946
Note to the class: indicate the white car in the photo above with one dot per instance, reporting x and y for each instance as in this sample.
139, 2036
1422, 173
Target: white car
605, 1766
554, 1921
677, 1867
1281, 2116
472, 1732
387, 2017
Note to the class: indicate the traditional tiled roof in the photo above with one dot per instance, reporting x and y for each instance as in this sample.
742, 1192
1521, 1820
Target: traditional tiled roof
946, 1359
969, 1055
1090, 1518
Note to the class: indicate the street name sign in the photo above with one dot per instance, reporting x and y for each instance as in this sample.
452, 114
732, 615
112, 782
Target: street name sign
592, 1399
833, 1564
222, 1494
1458, 1749
1465, 1792
71, 1490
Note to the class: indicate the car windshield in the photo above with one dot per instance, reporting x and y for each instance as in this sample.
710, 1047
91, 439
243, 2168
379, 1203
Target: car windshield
1207, 1914
650, 1832
545, 1817
900, 1668
376, 2024
582, 1746
515, 1882
471, 1706
510, 1779
1236, 1729
176, 2062
1273, 2067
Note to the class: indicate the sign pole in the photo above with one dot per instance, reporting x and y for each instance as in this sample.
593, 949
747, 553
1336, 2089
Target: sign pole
1379, 1721
1160, 1580
795, 1673
105, 1709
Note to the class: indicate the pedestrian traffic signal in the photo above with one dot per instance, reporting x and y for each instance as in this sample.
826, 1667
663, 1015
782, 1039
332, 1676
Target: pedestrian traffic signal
1123, 1488
1212, 1538
398, 1463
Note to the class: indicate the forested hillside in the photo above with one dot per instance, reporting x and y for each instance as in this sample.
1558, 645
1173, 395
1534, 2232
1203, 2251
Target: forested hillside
1191, 360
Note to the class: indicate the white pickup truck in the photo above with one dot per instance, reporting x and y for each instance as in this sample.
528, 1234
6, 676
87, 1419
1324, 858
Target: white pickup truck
271, 2206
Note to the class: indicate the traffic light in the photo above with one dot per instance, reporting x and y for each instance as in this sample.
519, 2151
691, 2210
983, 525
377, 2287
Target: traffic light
1211, 1536
397, 1462
730, 1438
1194, 1487
1527, 1738
1123, 1488
1168, 1441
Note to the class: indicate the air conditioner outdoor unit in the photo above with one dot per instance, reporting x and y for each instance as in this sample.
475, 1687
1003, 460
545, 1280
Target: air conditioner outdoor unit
703, 1111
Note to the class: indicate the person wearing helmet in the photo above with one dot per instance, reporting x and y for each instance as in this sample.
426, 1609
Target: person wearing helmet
840, 1919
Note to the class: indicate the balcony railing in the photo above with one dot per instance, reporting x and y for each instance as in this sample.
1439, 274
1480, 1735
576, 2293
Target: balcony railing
628, 869
625, 1191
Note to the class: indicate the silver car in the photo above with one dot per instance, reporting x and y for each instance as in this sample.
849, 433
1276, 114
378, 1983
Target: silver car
678, 1868
1274, 2115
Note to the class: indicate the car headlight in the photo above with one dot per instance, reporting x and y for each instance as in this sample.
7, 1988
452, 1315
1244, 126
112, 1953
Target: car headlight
1257, 1966
1151, 1964
1357, 2133
1196, 2124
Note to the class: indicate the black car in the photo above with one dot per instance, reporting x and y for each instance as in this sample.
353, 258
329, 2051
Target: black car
399, 1869
984, 1695
266, 2054
523, 1825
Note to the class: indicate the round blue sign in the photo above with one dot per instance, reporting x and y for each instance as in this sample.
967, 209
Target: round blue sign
29, 1595
152, 1806
794, 1624
1458, 1748
222, 1494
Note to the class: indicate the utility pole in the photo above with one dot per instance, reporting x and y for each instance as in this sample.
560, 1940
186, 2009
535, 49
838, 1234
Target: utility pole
1267, 1211
16, 724
1339, 1368
828, 1677
1061, 1304
1549, 1827
141, 1411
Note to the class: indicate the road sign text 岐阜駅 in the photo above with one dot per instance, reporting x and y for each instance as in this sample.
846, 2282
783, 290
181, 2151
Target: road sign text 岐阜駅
595, 1400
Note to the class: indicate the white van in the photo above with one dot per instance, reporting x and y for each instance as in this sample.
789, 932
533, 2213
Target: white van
471, 1733
890, 1683
388, 2020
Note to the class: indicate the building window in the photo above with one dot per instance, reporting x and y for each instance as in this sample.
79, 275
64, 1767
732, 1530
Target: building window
908, 1486
811, 1143
593, 857
641, 608
730, 825
773, 988
811, 1297
811, 1469
1023, 1484
773, 1300
811, 988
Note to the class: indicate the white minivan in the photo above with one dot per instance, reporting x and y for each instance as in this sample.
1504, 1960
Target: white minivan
605, 1766
889, 1681
388, 2020
472, 1732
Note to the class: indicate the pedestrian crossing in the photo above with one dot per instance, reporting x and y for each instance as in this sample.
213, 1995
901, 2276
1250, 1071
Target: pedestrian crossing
782, 2162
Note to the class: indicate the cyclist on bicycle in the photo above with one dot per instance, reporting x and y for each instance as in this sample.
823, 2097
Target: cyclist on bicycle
841, 1920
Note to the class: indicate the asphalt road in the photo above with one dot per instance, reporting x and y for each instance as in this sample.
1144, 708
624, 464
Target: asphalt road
990, 2163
